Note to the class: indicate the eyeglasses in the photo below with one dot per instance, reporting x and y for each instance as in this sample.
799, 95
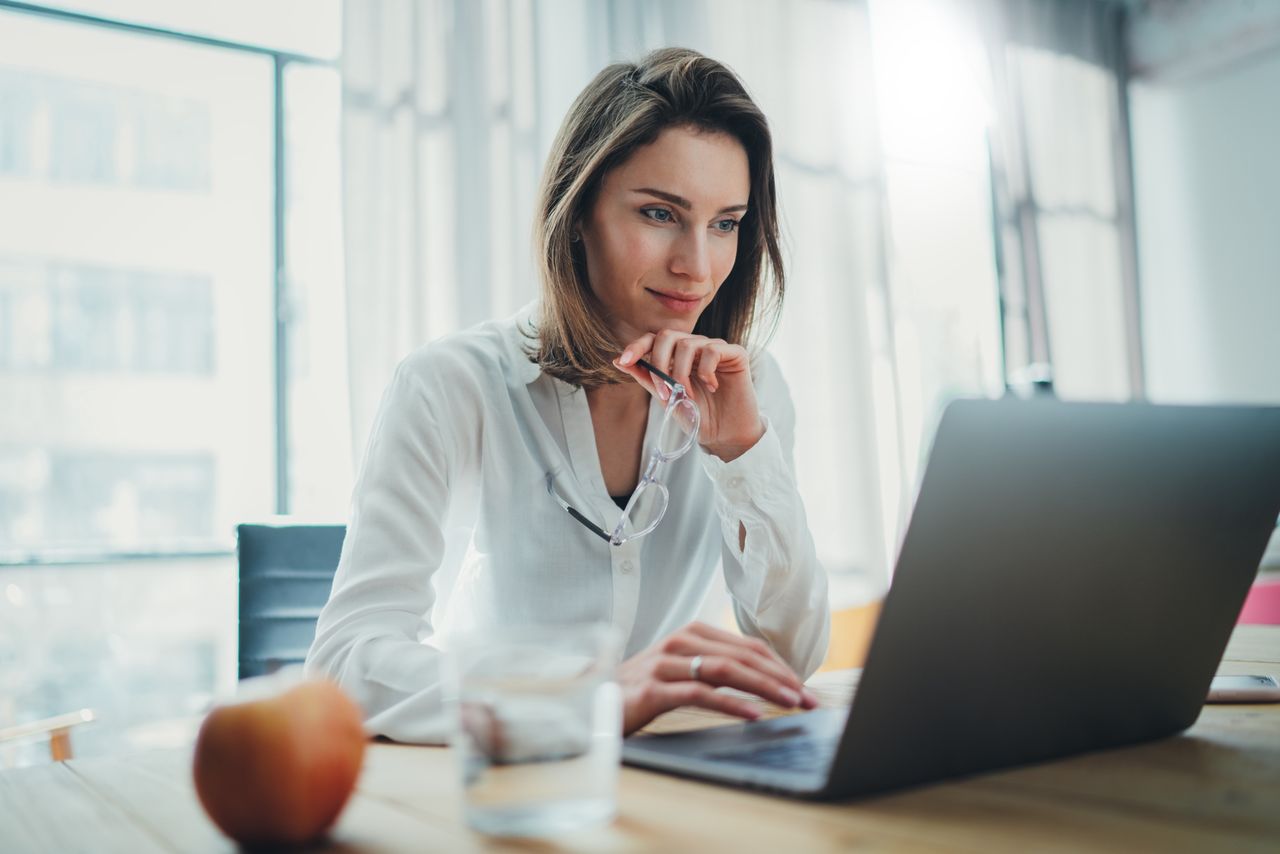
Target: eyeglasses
648, 504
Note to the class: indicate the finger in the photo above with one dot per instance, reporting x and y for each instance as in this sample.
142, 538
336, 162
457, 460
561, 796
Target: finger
731, 357
636, 350
766, 657
704, 630
685, 353
721, 636
664, 344
674, 694
726, 672
641, 376
708, 361
693, 645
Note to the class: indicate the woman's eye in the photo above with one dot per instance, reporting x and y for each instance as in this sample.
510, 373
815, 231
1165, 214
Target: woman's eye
657, 214
728, 226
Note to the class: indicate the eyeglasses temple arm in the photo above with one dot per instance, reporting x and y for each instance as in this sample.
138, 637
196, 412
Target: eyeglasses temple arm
591, 526
651, 369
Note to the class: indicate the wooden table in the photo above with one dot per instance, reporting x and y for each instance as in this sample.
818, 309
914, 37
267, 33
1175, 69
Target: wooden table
1214, 788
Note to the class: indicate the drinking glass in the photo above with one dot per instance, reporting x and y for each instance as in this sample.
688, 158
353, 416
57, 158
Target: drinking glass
537, 726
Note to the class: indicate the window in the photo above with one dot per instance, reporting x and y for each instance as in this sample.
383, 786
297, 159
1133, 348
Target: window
160, 381
139, 313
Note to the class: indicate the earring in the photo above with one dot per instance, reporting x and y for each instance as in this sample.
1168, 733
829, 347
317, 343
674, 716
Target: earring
575, 237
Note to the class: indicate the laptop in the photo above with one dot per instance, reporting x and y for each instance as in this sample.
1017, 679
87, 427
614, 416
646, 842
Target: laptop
1068, 582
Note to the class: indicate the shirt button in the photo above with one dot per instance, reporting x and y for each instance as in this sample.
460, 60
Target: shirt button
626, 567
736, 488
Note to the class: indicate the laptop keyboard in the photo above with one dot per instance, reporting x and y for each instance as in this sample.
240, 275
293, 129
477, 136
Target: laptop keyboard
793, 754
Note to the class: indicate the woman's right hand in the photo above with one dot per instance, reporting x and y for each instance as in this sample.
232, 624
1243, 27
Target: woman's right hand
661, 678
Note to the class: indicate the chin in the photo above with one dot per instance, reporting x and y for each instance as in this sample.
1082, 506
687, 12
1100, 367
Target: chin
680, 323
653, 319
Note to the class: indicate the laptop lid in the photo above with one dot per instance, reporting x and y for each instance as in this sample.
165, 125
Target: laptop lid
1068, 582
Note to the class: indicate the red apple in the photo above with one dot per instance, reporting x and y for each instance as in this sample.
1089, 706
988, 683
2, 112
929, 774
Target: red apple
279, 770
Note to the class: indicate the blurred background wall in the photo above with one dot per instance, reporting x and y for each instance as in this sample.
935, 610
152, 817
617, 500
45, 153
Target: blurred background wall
1206, 129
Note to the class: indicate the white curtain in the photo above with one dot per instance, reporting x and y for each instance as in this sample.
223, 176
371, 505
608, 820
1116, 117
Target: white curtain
439, 166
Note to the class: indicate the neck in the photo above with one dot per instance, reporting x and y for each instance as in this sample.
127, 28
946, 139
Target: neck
623, 397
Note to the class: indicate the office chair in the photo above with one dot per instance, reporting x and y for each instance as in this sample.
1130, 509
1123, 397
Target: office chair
286, 572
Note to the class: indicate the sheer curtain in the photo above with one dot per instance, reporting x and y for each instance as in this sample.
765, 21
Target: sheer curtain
440, 161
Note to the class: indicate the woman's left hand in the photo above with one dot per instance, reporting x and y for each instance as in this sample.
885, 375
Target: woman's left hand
716, 375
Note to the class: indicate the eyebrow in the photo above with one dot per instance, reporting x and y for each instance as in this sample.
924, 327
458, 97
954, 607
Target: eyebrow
681, 201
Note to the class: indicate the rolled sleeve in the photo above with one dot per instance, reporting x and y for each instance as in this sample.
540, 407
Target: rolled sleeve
740, 481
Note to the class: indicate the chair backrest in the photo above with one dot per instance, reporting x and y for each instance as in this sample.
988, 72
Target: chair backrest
286, 573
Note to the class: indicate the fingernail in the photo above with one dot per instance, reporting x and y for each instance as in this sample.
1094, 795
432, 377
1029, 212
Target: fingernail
663, 391
810, 699
792, 698
626, 357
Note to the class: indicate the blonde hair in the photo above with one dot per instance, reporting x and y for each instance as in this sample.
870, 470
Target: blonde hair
624, 108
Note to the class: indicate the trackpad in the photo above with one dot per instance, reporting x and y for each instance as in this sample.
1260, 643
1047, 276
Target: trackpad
822, 724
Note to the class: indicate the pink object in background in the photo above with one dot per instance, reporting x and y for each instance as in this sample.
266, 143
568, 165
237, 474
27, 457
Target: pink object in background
1262, 605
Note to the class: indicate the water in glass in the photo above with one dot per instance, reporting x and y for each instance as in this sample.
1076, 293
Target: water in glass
538, 728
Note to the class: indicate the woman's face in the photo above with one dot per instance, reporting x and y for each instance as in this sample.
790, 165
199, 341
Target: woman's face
663, 233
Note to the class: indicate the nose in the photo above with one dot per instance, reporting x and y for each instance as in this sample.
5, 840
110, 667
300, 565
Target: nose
690, 256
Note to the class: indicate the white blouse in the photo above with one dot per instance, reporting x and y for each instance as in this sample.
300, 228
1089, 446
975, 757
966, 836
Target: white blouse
469, 429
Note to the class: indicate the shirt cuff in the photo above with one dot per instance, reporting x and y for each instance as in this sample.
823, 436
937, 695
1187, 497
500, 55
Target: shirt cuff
739, 482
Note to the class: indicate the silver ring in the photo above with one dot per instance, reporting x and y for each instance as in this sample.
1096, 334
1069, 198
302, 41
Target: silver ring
695, 665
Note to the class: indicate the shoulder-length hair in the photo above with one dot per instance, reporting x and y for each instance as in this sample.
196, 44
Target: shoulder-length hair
624, 108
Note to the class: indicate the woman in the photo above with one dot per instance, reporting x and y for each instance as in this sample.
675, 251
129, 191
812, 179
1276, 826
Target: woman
656, 227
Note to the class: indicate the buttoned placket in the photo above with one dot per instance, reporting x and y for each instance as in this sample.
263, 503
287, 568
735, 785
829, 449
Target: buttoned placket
584, 456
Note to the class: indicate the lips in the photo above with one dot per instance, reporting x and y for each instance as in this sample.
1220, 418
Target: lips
677, 302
